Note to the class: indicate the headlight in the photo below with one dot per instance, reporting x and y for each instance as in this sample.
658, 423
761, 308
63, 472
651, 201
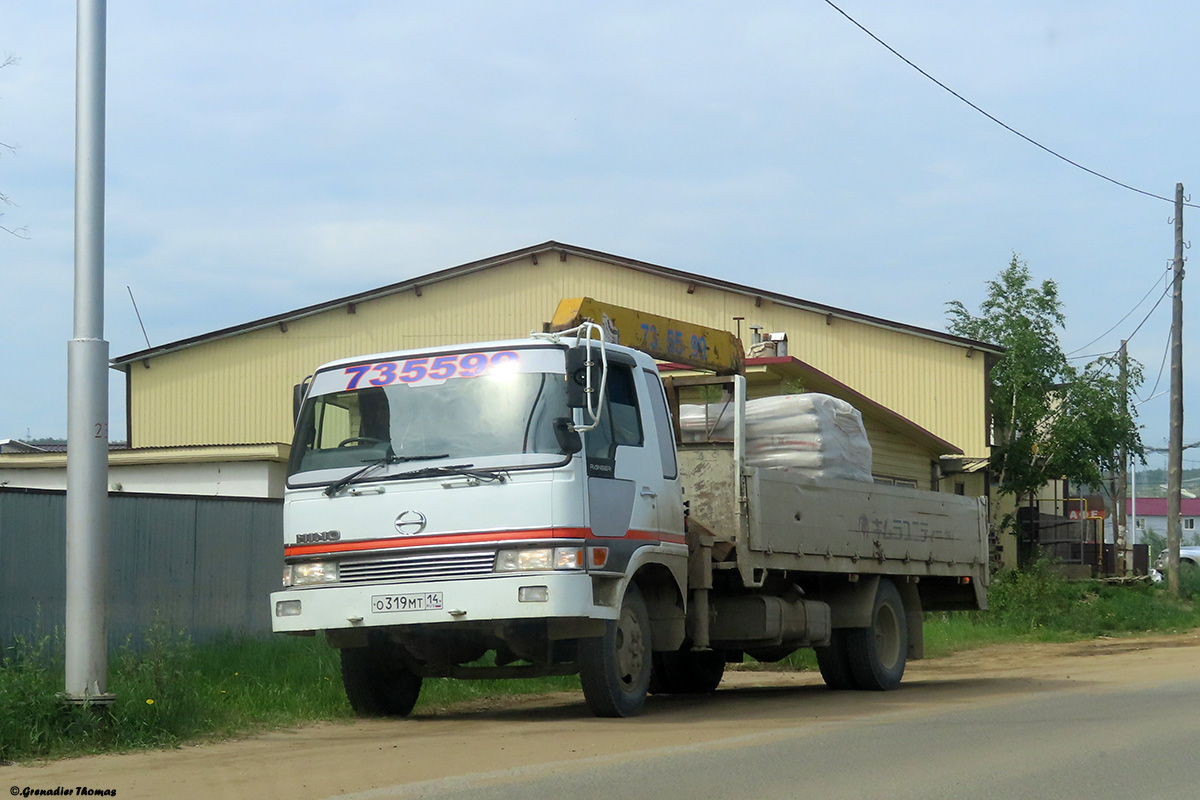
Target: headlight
539, 558
309, 573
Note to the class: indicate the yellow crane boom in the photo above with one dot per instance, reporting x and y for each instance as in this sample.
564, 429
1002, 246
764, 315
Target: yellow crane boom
662, 338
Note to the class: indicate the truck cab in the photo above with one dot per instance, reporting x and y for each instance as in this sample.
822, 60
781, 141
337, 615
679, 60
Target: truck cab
495, 497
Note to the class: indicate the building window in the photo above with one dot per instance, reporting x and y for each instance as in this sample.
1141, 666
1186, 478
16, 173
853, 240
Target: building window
888, 480
1189, 524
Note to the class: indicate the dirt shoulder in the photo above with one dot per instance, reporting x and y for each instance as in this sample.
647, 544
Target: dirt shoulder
331, 759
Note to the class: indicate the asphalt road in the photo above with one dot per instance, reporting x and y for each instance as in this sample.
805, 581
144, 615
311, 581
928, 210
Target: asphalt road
1118, 743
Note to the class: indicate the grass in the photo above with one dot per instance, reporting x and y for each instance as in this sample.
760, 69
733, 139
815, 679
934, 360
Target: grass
170, 691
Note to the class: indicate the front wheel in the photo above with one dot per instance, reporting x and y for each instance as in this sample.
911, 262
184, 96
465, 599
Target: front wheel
377, 680
877, 654
614, 669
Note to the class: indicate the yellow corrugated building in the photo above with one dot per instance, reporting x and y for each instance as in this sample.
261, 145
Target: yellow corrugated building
234, 386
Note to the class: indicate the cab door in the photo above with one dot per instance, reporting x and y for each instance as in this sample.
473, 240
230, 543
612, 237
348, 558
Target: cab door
660, 438
633, 481
622, 487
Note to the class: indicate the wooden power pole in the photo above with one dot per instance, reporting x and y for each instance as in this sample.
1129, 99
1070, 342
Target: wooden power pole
1122, 554
1175, 444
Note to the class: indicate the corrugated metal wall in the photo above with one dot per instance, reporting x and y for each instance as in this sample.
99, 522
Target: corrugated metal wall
239, 389
200, 563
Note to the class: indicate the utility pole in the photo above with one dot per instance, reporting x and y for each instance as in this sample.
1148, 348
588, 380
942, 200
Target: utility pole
87, 380
1122, 555
1175, 443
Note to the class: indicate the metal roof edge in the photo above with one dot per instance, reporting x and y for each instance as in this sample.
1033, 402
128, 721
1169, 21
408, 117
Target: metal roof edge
548, 246
124, 495
181, 454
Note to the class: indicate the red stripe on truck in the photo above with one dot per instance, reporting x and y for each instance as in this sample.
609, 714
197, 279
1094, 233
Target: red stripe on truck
465, 538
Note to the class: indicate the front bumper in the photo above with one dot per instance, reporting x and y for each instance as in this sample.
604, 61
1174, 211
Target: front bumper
567, 595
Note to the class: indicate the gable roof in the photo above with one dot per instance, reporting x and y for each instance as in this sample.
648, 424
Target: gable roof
562, 251
1157, 506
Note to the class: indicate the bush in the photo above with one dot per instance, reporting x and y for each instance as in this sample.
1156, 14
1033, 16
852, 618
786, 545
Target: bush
1039, 600
1189, 582
31, 718
1026, 600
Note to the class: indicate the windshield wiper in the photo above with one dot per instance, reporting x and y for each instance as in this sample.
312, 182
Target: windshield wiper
453, 469
391, 458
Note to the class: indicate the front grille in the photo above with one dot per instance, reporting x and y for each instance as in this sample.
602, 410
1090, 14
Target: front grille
418, 566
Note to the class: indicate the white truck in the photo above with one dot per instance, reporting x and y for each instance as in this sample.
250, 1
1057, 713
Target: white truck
525, 508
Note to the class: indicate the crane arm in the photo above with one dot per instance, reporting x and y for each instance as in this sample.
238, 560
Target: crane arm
662, 338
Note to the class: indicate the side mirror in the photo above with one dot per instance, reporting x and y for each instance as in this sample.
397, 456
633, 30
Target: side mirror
298, 392
578, 368
568, 438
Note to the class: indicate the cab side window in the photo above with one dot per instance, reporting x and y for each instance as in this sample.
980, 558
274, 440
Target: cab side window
620, 423
662, 421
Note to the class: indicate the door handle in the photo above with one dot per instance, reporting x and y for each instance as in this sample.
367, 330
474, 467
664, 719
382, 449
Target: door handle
648, 492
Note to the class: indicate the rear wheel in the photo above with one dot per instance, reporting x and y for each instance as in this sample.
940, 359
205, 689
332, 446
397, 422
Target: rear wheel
688, 671
614, 669
834, 662
377, 680
878, 653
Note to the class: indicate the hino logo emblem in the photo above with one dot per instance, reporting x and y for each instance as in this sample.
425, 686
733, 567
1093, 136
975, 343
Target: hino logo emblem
319, 536
410, 523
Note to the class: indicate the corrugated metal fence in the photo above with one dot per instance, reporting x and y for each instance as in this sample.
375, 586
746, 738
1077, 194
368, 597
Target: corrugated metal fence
206, 564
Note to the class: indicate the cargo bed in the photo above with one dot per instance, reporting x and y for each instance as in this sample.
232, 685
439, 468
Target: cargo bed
764, 520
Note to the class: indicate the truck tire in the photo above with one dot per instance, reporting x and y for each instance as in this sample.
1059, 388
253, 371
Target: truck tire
878, 653
377, 681
834, 662
614, 669
687, 672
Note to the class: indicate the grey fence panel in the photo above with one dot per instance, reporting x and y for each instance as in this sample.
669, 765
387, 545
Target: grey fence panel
239, 557
205, 564
151, 557
33, 577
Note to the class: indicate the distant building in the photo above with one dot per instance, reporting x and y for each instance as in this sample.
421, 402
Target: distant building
17, 446
1152, 516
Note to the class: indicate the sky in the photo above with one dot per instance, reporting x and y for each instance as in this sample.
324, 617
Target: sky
266, 156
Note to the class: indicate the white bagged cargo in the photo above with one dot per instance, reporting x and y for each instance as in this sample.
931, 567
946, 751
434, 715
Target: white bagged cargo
819, 435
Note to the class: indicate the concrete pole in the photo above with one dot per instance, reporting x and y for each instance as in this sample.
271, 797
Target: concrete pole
1175, 442
87, 380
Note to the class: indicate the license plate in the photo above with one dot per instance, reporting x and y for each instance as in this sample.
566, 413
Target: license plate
384, 603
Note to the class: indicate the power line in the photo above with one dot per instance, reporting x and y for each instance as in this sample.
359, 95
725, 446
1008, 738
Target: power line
1002, 124
1166, 291
1153, 286
1092, 355
1161, 365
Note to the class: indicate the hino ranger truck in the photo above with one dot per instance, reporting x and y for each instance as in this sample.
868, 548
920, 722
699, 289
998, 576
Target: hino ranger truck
529, 507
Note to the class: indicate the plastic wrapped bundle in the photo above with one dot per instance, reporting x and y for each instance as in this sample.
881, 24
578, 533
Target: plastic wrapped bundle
711, 422
819, 435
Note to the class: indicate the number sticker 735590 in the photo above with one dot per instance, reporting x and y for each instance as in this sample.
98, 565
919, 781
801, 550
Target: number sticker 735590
433, 369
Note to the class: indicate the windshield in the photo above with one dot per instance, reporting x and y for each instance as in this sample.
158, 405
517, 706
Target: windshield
491, 410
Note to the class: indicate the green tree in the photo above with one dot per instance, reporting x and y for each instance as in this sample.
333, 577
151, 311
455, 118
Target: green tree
1050, 420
